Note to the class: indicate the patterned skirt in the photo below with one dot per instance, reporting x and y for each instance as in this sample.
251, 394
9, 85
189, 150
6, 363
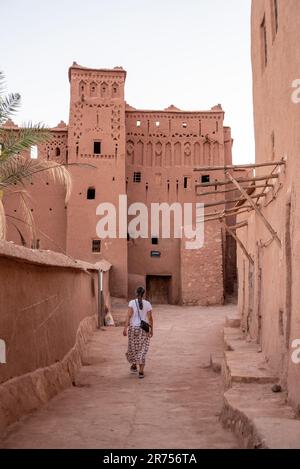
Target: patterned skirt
138, 345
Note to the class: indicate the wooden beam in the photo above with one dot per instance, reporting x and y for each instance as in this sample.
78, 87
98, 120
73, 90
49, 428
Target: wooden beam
241, 166
239, 242
254, 186
242, 224
255, 207
223, 202
227, 213
223, 183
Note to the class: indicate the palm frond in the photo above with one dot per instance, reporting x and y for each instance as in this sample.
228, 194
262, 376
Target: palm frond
16, 141
28, 217
8, 106
23, 241
2, 221
60, 174
2, 82
18, 170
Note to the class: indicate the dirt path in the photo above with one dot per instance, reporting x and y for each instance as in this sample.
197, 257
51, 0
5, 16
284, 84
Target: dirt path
175, 406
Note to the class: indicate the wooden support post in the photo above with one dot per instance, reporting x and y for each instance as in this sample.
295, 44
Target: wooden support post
258, 211
239, 242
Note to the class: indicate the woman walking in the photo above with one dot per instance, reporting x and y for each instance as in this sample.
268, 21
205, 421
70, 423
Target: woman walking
139, 324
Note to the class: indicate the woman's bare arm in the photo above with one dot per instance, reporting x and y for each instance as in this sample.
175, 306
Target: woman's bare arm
150, 315
127, 322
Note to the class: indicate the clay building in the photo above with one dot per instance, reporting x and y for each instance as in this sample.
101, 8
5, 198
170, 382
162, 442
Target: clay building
269, 284
114, 149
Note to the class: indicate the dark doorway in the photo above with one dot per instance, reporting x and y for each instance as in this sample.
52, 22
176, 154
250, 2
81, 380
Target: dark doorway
158, 288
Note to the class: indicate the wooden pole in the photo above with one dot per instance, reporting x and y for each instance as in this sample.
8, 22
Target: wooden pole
242, 224
223, 202
241, 166
223, 183
258, 211
239, 242
224, 214
254, 186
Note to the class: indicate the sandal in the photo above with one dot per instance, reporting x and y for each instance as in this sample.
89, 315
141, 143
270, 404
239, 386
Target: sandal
141, 375
133, 368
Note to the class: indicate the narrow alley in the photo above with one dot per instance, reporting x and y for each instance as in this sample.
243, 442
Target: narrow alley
177, 405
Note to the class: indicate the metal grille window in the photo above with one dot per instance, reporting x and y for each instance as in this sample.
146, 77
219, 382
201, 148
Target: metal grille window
137, 176
96, 245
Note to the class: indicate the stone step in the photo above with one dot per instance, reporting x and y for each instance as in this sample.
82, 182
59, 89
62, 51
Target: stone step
216, 360
246, 367
259, 417
232, 320
243, 361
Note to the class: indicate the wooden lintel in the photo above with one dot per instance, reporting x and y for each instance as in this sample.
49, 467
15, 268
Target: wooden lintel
241, 166
239, 242
255, 207
241, 180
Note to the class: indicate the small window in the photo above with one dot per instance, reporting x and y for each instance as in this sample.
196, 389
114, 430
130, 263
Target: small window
137, 177
273, 145
275, 23
138, 123
186, 182
57, 151
154, 240
184, 125
97, 148
96, 245
157, 123
205, 178
264, 44
34, 152
91, 193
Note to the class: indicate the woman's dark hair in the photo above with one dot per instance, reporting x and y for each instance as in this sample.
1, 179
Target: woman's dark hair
140, 291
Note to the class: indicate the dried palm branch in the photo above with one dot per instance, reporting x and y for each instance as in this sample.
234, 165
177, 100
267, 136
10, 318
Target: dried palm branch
17, 170
2, 219
27, 214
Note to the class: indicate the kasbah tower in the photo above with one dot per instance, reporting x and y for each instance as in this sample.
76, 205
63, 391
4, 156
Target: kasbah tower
150, 155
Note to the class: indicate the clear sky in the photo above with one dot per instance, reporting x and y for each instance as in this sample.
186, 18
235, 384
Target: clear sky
190, 53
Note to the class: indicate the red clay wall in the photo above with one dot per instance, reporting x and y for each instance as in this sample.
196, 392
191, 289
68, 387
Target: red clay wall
269, 292
48, 307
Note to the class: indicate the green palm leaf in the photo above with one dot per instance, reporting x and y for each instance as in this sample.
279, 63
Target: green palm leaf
17, 141
8, 106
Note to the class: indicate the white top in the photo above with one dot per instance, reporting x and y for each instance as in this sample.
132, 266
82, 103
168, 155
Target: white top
135, 319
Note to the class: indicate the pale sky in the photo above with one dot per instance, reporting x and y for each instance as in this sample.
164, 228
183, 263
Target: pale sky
190, 53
